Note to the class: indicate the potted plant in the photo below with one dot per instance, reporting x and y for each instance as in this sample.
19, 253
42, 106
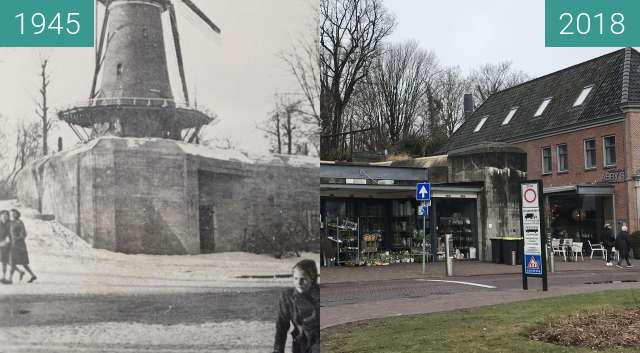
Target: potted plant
634, 238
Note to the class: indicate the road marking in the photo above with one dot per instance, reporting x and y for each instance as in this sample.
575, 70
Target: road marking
458, 282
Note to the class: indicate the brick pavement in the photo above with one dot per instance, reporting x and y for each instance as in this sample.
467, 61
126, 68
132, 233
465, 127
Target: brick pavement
437, 270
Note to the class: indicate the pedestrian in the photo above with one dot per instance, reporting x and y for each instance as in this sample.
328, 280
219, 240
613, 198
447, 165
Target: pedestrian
622, 246
300, 306
19, 254
5, 243
608, 240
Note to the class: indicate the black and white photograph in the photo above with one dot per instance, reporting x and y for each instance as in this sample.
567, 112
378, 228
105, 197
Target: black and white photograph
159, 190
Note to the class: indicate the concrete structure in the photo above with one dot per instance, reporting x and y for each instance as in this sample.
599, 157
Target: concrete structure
160, 196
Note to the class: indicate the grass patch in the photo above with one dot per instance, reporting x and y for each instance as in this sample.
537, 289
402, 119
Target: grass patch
493, 329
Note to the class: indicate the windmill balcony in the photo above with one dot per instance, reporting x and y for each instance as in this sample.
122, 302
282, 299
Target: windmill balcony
98, 110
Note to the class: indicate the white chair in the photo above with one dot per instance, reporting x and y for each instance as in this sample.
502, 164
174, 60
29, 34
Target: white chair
615, 254
558, 249
576, 247
597, 247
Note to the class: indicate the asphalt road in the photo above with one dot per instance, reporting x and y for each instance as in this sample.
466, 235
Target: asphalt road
336, 294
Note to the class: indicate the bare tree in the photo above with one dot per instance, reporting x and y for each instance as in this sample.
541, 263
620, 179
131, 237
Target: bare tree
27, 147
273, 129
451, 87
351, 34
394, 91
283, 125
491, 78
303, 61
43, 109
289, 111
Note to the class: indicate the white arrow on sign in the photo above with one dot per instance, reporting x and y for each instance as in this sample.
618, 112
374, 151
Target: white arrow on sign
423, 191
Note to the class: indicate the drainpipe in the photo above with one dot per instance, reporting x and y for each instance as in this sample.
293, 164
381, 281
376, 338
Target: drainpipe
637, 184
615, 221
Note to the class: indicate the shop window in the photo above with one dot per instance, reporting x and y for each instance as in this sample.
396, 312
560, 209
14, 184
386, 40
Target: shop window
512, 112
546, 160
542, 107
583, 95
609, 151
590, 154
563, 158
481, 123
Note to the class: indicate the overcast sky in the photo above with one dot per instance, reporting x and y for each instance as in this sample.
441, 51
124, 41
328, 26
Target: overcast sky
236, 74
470, 33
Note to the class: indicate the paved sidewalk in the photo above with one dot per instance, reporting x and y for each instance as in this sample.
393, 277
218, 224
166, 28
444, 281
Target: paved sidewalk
437, 270
342, 314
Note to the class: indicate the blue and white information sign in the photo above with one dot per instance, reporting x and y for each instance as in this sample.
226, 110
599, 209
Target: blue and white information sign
423, 192
533, 264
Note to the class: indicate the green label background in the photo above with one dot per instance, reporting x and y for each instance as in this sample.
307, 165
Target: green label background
629, 8
10, 25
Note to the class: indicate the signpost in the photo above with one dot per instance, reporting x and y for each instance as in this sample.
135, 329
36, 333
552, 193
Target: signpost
423, 193
531, 223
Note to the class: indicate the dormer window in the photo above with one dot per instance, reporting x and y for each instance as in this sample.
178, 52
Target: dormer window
512, 112
482, 121
542, 107
583, 95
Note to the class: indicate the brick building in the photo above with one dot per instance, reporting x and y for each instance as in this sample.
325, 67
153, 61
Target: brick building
580, 130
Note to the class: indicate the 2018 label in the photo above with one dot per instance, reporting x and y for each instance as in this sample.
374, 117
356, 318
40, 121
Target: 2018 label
592, 23
582, 23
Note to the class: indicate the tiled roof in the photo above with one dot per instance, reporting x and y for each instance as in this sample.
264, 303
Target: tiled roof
607, 75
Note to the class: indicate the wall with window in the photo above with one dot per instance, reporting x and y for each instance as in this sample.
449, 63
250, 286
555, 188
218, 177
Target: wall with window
578, 153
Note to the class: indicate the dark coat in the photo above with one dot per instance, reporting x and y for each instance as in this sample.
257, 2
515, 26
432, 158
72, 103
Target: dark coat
19, 254
5, 236
303, 311
608, 239
623, 244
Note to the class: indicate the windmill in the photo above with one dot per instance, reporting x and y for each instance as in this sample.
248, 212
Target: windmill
134, 97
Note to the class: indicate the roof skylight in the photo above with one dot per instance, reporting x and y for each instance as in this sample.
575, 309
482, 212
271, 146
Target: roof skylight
479, 126
542, 107
512, 112
583, 95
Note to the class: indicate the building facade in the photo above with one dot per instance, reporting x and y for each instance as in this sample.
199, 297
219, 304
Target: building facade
580, 130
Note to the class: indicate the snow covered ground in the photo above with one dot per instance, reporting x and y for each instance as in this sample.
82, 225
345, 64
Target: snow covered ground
65, 264
68, 266
232, 337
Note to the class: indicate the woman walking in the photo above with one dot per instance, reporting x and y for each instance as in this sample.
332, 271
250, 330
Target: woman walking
19, 254
5, 244
300, 306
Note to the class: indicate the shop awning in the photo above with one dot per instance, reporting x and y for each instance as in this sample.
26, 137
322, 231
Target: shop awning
594, 190
395, 191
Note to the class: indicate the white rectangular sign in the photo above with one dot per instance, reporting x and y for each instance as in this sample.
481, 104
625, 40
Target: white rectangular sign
531, 219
